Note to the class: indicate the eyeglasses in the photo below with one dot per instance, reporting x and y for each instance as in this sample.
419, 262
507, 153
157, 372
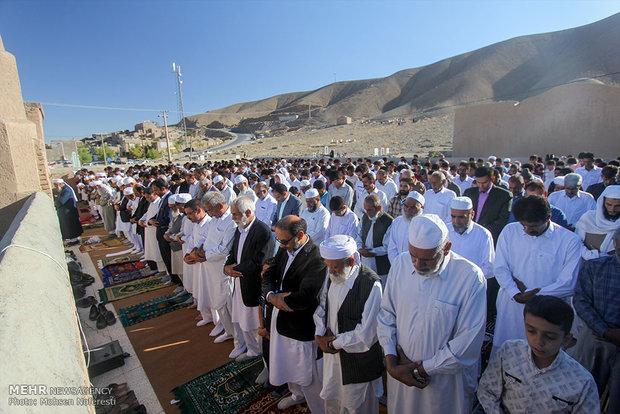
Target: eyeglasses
285, 242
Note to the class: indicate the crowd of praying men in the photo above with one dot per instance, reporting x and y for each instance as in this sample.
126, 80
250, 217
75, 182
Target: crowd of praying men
334, 271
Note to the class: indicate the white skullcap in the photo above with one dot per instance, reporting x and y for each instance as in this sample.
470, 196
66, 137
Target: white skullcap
91, 177
427, 231
117, 179
572, 180
417, 197
559, 180
172, 199
128, 181
218, 179
100, 174
128, 191
183, 198
304, 183
311, 193
95, 183
461, 203
58, 181
507, 160
240, 179
339, 247
80, 184
136, 176
492, 157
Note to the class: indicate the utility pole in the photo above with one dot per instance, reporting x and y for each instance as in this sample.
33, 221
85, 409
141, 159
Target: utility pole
177, 70
105, 159
166, 131
309, 112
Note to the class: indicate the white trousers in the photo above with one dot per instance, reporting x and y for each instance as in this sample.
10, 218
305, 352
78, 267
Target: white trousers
311, 392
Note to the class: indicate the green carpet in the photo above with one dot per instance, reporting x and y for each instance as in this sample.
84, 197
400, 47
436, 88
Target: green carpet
152, 308
135, 287
225, 390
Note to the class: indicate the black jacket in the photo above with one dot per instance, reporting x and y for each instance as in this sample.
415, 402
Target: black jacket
143, 205
257, 248
304, 280
496, 209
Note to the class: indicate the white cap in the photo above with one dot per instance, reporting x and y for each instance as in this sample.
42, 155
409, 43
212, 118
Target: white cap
507, 160
100, 174
559, 180
183, 198
172, 199
128, 180
492, 157
427, 231
240, 179
339, 247
304, 183
218, 179
128, 191
80, 184
417, 197
311, 193
95, 183
572, 180
58, 181
461, 203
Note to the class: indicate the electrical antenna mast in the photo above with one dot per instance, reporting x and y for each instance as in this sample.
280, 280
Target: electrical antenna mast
177, 70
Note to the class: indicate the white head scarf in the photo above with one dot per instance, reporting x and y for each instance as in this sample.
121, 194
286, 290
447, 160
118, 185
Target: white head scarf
339, 247
594, 221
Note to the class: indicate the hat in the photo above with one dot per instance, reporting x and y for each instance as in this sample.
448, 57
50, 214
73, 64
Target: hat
461, 203
100, 174
507, 160
128, 191
339, 247
218, 179
492, 157
311, 193
95, 183
240, 179
572, 180
172, 199
58, 181
183, 198
427, 231
417, 197
304, 183
559, 180
128, 181
80, 184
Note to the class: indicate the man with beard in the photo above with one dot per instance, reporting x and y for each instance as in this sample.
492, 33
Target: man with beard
252, 246
596, 227
398, 241
346, 330
438, 197
431, 324
292, 285
373, 236
368, 181
475, 243
244, 189
572, 201
315, 215
219, 182
405, 187
609, 176
265, 203
462, 179
533, 256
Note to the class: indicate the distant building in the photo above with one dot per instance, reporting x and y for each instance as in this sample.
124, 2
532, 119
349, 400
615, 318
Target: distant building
344, 120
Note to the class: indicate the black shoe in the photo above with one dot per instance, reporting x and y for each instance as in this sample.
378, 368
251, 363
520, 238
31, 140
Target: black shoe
110, 319
86, 302
101, 323
78, 291
94, 313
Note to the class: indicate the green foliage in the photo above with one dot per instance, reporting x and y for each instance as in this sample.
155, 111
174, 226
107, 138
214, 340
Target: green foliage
84, 154
136, 151
152, 153
109, 152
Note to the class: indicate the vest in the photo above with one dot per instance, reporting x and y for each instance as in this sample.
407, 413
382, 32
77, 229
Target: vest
382, 223
365, 366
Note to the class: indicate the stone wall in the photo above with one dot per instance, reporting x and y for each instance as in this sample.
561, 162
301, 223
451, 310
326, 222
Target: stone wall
568, 119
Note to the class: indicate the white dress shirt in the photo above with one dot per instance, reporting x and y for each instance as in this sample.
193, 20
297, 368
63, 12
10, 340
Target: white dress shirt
265, 209
589, 177
439, 203
463, 185
359, 205
346, 224
398, 241
389, 188
476, 245
574, 207
439, 320
371, 262
317, 223
245, 316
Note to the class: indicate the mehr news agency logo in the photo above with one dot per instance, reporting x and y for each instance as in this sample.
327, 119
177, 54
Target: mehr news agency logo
34, 395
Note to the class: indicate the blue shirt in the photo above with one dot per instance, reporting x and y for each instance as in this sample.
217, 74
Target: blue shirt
597, 293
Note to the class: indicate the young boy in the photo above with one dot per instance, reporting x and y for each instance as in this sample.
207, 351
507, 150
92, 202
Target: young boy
537, 376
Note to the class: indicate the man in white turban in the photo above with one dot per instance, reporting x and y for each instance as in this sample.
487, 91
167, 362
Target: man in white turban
596, 227
431, 324
346, 330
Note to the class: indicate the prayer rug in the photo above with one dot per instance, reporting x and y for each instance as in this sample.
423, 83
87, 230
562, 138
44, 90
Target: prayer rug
224, 390
135, 287
107, 261
152, 308
92, 225
102, 245
117, 279
266, 404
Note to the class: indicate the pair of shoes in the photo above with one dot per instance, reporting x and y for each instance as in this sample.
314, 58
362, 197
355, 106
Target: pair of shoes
242, 357
86, 302
288, 402
263, 377
219, 328
203, 322
280, 391
222, 338
179, 290
238, 352
102, 315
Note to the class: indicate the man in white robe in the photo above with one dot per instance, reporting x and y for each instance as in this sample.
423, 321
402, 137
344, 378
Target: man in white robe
572, 201
265, 203
316, 216
386, 184
438, 197
151, 247
368, 181
342, 220
431, 324
346, 331
398, 241
372, 237
220, 183
533, 256
244, 188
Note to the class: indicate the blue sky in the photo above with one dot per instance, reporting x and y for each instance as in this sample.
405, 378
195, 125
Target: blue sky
119, 54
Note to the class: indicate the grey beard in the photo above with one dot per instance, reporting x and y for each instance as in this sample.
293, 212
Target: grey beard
340, 278
460, 230
312, 209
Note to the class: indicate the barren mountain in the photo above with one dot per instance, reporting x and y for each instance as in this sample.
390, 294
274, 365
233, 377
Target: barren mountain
514, 69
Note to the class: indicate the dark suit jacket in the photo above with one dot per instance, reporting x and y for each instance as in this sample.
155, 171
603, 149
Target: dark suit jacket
291, 208
304, 280
257, 248
123, 211
496, 209
163, 216
143, 205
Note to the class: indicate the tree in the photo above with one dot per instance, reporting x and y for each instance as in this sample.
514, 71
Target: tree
84, 154
136, 151
152, 153
109, 152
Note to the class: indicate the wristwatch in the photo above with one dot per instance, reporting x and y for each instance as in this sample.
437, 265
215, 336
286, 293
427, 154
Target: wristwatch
418, 377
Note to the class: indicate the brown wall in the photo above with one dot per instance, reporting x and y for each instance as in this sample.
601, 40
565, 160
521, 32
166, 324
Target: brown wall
568, 119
